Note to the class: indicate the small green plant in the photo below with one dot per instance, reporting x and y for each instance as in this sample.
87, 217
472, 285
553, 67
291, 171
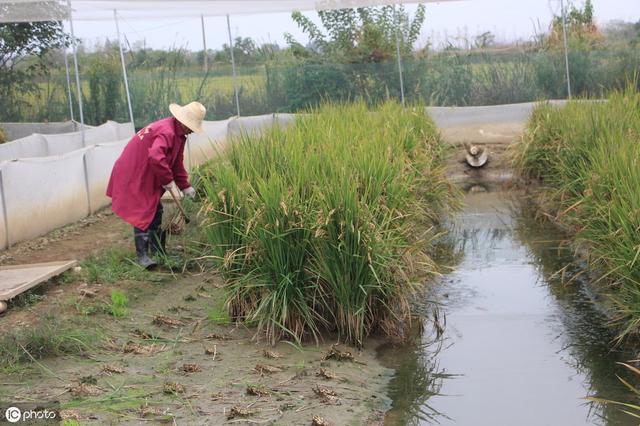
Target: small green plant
119, 304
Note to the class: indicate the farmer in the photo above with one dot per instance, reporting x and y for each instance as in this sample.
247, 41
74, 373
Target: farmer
150, 164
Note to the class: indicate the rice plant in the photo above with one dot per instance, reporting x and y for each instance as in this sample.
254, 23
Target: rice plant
586, 155
321, 226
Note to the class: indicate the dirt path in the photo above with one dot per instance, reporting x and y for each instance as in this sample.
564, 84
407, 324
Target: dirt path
88, 237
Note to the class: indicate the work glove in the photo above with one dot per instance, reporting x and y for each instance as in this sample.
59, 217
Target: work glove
189, 192
171, 185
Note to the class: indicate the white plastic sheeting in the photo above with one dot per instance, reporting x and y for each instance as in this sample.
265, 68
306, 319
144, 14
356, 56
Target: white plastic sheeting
44, 10
99, 161
58, 144
30, 146
42, 194
13, 131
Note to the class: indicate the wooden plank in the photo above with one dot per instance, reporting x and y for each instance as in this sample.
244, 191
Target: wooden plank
17, 279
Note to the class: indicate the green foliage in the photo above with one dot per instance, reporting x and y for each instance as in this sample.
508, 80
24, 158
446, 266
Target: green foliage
115, 265
586, 155
119, 303
105, 81
318, 226
361, 35
23, 48
48, 338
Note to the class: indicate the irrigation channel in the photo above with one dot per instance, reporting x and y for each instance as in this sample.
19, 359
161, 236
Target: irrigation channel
520, 346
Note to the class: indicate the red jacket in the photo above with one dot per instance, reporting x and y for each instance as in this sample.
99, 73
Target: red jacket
152, 158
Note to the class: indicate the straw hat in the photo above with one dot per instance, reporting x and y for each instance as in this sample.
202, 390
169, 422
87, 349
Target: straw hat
190, 115
477, 156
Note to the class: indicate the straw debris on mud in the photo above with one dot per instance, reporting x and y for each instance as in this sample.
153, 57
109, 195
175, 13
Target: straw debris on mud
327, 395
112, 369
271, 354
263, 369
338, 355
166, 321
138, 349
240, 412
191, 368
84, 389
258, 390
319, 421
327, 374
173, 387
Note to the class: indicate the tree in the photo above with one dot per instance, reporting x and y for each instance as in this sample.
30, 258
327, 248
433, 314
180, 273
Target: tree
580, 25
23, 48
362, 35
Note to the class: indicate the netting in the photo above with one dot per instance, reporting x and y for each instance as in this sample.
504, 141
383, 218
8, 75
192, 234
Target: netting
99, 10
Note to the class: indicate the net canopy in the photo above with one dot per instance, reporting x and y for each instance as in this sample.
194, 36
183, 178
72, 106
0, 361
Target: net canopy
97, 10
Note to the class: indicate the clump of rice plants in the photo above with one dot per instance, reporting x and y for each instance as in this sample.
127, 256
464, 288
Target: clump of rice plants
587, 156
119, 304
323, 225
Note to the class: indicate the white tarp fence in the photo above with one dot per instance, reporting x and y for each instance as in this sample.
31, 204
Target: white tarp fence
38, 195
41, 145
13, 131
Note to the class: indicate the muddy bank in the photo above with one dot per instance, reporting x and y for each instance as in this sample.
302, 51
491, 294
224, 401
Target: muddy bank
175, 355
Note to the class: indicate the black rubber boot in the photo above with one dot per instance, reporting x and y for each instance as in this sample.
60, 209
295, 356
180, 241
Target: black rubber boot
158, 242
142, 250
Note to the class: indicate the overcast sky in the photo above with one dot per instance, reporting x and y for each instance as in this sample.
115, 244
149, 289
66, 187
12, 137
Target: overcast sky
507, 19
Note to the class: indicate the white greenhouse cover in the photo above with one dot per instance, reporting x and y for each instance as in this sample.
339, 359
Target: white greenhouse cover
89, 10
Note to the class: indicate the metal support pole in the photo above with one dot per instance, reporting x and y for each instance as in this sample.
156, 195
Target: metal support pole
87, 188
399, 58
66, 68
204, 44
566, 49
233, 67
4, 212
124, 69
75, 64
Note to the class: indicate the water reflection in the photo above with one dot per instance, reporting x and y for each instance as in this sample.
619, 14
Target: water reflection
523, 343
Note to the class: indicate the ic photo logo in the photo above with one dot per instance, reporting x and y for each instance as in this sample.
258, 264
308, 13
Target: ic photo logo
13, 414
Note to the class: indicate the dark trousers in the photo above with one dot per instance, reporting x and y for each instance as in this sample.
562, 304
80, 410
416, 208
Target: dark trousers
155, 223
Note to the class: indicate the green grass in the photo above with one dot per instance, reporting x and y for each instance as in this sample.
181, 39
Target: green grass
115, 265
586, 155
322, 225
119, 304
49, 338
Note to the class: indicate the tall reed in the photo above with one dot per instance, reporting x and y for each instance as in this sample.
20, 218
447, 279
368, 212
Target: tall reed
587, 155
323, 225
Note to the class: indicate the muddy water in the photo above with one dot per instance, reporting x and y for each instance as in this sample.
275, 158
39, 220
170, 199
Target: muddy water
520, 346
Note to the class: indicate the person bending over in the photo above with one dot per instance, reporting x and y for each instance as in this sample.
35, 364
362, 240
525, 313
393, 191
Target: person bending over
152, 162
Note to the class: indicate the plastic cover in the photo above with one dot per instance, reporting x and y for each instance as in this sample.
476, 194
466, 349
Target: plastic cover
43, 194
32, 10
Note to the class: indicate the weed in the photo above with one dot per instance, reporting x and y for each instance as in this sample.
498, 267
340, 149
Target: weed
48, 338
116, 265
119, 304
